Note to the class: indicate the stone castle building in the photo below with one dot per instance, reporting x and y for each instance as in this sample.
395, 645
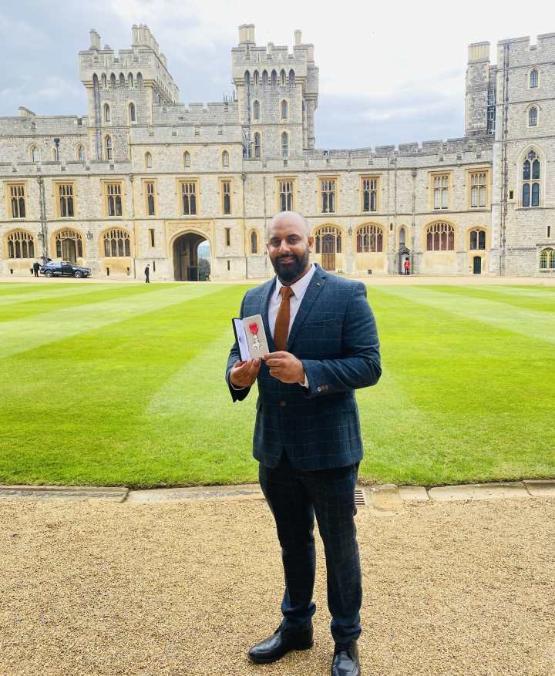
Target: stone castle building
143, 178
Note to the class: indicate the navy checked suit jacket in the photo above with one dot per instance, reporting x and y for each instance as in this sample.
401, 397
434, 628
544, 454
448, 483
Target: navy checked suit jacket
334, 335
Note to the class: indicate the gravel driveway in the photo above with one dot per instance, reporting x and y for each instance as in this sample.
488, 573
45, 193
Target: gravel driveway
184, 588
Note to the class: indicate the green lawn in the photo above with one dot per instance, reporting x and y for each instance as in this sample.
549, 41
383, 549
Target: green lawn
123, 384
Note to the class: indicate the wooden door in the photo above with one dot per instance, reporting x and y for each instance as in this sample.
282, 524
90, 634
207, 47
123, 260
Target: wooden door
328, 252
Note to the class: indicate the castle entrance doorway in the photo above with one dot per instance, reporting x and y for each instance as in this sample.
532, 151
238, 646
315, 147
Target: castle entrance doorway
402, 256
191, 258
477, 265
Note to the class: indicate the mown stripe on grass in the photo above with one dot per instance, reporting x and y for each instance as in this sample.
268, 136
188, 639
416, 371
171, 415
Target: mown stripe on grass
53, 293
27, 334
179, 394
530, 323
32, 308
539, 302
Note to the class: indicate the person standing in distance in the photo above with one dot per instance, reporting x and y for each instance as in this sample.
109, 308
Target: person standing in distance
324, 344
147, 274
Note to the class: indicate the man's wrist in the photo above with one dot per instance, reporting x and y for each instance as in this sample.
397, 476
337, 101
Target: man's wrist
303, 380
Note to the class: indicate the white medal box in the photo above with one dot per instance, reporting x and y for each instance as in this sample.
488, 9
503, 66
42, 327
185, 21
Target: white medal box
251, 337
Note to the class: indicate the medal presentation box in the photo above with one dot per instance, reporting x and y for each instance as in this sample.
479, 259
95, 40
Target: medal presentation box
251, 337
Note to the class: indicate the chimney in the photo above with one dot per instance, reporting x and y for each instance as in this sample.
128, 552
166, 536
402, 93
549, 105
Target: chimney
298, 37
478, 51
246, 34
95, 39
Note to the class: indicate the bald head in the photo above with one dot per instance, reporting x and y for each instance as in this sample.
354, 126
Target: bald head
292, 218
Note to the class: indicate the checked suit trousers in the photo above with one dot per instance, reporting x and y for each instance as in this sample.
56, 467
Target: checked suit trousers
295, 497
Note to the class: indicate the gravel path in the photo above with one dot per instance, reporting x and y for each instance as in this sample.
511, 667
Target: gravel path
184, 588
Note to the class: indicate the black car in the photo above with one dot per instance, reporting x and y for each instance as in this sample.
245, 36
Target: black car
63, 269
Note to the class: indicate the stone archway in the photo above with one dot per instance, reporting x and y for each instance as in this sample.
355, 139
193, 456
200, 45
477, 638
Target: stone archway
188, 265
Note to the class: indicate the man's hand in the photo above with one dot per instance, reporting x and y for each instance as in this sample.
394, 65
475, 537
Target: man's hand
285, 367
244, 373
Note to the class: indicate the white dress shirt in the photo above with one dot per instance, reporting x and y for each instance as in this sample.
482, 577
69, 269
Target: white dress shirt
299, 289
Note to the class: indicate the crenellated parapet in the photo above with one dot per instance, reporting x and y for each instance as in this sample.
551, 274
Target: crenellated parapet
124, 68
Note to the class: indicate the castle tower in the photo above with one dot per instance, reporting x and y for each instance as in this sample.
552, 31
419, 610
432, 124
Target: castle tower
277, 92
523, 205
480, 91
122, 89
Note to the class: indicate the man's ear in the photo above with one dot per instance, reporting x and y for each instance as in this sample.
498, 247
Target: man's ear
310, 242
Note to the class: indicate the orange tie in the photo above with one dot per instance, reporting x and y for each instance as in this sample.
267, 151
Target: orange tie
282, 320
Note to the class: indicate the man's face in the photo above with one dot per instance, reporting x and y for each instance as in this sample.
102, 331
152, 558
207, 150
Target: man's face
289, 248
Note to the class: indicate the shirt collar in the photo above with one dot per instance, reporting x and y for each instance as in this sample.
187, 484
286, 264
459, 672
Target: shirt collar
299, 287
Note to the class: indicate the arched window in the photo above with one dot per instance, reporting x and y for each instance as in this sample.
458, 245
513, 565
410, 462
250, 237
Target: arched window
95, 81
139, 80
282, 78
257, 146
440, 237
254, 242
225, 159
130, 83
103, 79
247, 78
533, 117
255, 77
477, 240
547, 259
274, 77
108, 148
369, 239
328, 240
533, 78
69, 245
531, 171
21, 245
35, 154
402, 236
264, 77
148, 160
285, 145
186, 159
132, 113
117, 243
121, 80
81, 153
291, 77
56, 153
107, 115
256, 110
284, 110
112, 80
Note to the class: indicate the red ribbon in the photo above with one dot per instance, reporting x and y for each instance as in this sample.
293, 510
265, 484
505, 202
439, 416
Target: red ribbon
253, 328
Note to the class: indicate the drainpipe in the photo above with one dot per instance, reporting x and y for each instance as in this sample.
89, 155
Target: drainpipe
43, 222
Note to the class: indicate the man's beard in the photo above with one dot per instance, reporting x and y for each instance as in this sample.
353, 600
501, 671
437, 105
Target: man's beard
289, 273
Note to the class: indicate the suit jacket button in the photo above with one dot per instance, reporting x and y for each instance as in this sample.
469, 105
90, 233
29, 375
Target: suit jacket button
282, 403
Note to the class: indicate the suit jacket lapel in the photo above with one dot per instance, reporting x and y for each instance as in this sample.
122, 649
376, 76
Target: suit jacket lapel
264, 304
308, 302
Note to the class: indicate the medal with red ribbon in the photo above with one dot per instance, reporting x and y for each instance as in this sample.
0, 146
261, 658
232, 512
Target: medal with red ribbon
253, 328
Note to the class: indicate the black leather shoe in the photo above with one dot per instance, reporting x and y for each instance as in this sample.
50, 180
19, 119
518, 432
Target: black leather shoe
280, 643
345, 660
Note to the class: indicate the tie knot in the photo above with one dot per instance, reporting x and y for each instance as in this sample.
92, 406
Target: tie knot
286, 292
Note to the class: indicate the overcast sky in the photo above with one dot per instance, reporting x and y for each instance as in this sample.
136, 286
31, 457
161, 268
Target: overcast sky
389, 72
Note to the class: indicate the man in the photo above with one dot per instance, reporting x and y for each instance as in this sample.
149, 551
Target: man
324, 344
147, 274
36, 268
